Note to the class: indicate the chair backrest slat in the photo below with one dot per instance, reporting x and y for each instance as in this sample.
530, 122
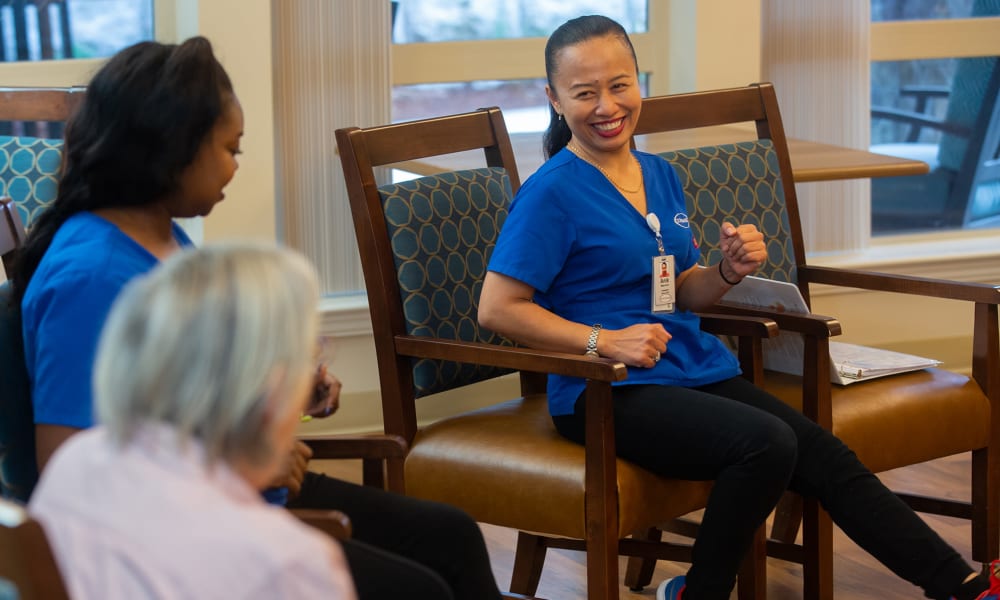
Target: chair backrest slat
39, 104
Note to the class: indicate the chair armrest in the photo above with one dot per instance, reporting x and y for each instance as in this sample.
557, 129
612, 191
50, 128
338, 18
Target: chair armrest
331, 522
901, 284
376, 446
920, 120
924, 90
521, 359
810, 324
738, 325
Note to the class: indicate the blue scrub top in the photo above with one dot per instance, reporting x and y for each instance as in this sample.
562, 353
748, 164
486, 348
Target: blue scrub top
588, 254
64, 308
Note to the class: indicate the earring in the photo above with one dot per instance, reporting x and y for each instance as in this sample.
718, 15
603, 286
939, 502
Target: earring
559, 117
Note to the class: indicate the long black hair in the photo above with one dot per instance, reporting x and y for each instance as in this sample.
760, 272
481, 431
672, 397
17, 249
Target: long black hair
146, 113
570, 33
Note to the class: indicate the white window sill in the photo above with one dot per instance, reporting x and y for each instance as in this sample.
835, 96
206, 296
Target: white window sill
345, 316
974, 256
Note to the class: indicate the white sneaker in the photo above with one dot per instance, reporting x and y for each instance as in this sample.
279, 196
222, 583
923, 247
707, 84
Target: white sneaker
671, 589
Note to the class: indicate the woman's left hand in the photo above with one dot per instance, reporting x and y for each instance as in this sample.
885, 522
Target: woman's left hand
743, 248
326, 395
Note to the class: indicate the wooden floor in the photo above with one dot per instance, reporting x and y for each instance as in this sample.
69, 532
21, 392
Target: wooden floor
856, 575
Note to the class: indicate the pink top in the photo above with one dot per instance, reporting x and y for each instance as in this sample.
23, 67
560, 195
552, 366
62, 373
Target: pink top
152, 521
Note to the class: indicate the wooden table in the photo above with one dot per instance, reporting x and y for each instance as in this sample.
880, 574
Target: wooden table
811, 161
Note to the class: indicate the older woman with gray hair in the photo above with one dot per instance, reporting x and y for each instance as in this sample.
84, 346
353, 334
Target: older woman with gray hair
202, 373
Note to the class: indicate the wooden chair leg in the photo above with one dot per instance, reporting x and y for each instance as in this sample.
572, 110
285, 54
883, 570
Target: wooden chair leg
817, 545
787, 518
602, 565
639, 572
985, 507
529, 558
751, 583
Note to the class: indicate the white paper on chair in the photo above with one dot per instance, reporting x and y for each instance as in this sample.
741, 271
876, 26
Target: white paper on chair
849, 363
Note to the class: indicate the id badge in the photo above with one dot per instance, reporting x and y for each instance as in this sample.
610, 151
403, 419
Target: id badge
663, 283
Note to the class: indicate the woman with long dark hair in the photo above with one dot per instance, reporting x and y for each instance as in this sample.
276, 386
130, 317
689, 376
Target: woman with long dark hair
156, 139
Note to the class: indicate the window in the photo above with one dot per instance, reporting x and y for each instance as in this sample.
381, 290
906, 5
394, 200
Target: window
908, 10
451, 20
935, 108
57, 29
522, 99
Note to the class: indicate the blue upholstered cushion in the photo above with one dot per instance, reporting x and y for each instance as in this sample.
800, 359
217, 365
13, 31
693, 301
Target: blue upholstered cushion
18, 470
443, 229
29, 170
739, 183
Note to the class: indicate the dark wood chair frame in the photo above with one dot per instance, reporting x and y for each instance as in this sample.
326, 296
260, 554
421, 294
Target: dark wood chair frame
361, 152
758, 104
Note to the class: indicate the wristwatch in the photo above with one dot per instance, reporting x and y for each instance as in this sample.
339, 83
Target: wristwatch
592, 340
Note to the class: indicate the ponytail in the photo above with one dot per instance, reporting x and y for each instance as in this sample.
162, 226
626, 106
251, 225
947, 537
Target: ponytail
556, 136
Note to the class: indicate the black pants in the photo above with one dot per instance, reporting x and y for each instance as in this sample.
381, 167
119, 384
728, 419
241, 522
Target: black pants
403, 547
754, 446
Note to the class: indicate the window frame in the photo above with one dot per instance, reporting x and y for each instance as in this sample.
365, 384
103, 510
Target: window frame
960, 254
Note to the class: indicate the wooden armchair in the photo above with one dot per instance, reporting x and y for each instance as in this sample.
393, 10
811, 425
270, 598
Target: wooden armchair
424, 247
26, 560
963, 187
891, 422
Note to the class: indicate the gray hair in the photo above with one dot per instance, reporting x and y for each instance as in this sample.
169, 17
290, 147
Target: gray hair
203, 341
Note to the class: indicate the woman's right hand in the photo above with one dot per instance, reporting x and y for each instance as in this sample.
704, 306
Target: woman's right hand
638, 345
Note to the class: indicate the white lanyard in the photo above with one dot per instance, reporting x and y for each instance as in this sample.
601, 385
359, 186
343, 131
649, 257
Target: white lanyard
654, 223
662, 272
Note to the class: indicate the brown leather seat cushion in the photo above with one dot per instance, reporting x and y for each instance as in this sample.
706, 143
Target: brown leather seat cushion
902, 419
536, 482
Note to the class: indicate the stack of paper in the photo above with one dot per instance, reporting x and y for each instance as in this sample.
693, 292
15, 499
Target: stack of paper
849, 363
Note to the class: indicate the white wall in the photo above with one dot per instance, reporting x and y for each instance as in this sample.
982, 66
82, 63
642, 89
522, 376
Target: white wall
240, 31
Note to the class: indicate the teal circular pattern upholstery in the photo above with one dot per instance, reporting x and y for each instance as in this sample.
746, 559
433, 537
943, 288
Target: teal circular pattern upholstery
739, 183
29, 171
443, 229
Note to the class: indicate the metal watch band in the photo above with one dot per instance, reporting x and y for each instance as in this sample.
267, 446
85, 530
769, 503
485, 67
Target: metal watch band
592, 340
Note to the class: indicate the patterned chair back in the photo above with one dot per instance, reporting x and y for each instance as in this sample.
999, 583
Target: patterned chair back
29, 166
29, 171
442, 230
738, 183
